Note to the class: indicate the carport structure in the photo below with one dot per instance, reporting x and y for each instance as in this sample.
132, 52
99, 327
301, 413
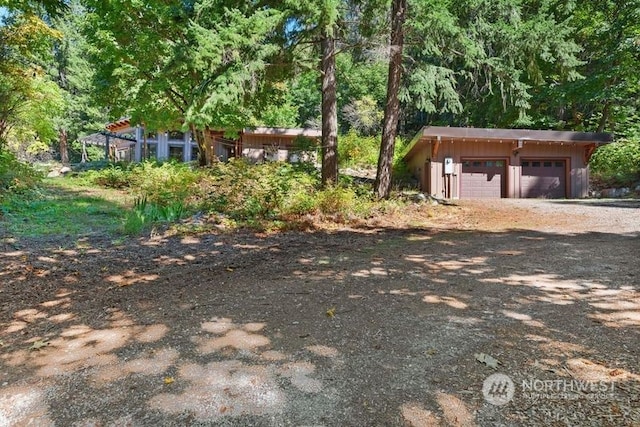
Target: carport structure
458, 163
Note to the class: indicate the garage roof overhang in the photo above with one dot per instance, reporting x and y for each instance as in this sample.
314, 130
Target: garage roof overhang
437, 133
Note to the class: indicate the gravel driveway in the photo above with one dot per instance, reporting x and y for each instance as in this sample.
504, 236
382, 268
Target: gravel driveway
362, 326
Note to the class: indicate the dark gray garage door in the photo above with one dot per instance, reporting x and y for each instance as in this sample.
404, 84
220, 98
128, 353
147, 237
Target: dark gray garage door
543, 179
482, 179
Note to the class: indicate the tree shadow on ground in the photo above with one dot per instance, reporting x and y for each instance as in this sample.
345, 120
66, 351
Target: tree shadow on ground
352, 327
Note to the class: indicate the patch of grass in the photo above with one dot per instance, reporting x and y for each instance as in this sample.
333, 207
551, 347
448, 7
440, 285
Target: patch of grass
146, 214
59, 208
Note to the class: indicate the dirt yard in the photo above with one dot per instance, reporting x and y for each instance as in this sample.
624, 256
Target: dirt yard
400, 322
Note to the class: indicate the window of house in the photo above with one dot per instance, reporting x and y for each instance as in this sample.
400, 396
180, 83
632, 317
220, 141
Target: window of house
176, 135
175, 152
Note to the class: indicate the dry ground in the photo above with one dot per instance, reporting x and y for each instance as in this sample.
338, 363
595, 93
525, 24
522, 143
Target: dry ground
377, 325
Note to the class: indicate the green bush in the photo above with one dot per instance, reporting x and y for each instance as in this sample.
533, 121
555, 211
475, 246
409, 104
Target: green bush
16, 177
163, 183
254, 192
358, 151
300, 203
617, 163
114, 176
343, 202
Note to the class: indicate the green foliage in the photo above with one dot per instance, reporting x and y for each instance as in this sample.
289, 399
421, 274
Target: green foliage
16, 177
163, 184
606, 98
145, 214
363, 115
617, 163
114, 176
164, 192
159, 183
94, 153
274, 192
481, 62
73, 72
245, 191
28, 99
199, 65
354, 150
342, 202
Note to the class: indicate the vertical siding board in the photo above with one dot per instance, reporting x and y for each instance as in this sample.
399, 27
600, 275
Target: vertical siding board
436, 178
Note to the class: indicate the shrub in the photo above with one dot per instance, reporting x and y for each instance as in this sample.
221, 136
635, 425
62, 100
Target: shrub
114, 176
163, 183
300, 203
16, 177
254, 192
342, 202
617, 163
354, 150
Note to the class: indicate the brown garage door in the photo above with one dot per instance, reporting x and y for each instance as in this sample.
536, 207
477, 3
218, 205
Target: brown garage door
543, 179
482, 179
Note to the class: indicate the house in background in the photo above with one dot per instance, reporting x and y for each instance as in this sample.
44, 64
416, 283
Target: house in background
463, 163
255, 144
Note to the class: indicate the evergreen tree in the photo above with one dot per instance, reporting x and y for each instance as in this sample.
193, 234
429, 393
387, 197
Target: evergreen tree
74, 74
382, 186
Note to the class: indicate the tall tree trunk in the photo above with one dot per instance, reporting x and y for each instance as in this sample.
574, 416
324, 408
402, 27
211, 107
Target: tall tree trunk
382, 186
63, 141
329, 110
200, 141
605, 117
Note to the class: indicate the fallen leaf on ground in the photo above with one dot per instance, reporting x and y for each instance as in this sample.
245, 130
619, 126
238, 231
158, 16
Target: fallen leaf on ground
487, 360
331, 312
38, 345
168, 380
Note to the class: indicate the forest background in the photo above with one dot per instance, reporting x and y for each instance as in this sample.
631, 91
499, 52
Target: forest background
69, 67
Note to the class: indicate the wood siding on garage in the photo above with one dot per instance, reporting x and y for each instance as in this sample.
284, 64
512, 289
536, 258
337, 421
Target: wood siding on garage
544, 178
483, 179
427, 165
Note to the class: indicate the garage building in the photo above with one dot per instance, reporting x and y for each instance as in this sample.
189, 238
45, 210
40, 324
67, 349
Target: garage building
494, 163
